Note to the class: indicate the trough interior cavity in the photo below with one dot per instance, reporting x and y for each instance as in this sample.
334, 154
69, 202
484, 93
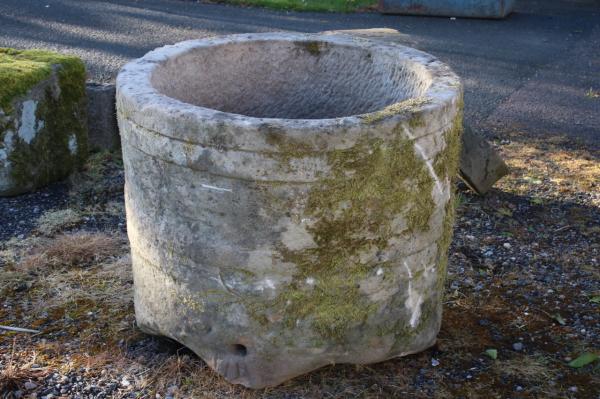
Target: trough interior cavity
291, 80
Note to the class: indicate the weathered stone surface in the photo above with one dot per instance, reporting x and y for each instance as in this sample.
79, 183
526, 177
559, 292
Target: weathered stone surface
289, 198
43, 132
481, 166
103, 131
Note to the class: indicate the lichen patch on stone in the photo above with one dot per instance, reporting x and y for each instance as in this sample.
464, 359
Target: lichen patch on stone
73, 144
30, 125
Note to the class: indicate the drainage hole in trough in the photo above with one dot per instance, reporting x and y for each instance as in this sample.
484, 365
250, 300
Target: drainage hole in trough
238, 349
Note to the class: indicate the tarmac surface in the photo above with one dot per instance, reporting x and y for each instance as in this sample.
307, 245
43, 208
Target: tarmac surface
537, 72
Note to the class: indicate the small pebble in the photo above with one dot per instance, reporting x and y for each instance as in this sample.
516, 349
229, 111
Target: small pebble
518, 346
29, 385
507, 245
435, 362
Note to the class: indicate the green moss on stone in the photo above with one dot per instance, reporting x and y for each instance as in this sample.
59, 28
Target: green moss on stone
47, 157
373, 183
402, 107
446, 165
313, 47
447, 161
20, 70
287, 146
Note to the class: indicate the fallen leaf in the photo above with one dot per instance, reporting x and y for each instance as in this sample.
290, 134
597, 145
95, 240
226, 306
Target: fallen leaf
492, 353
583, 360
532, 180
595, 299
537, 201
559, 319
505, 212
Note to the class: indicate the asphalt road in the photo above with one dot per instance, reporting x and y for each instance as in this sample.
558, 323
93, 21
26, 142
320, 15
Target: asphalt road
531, 72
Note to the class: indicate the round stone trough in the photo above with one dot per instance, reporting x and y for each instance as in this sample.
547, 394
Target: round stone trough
289, 198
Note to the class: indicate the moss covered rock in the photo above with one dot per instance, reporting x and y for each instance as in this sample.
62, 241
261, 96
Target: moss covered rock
43, 128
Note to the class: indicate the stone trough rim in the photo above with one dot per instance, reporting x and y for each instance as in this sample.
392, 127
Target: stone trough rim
146, 106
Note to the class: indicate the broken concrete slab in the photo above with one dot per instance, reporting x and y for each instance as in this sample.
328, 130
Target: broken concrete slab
102, 117
480, 164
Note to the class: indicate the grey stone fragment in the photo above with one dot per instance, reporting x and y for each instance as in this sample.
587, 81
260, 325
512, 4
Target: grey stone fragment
518, 346
480, 164
102, 116
292, 214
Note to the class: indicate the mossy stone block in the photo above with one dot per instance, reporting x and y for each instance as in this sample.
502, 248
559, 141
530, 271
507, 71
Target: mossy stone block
43, 126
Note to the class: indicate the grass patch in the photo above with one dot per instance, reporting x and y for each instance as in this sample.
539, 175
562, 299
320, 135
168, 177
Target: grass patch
309, 5
552, 168
527, 368
17, 372
72, 250
99, 182
52, 222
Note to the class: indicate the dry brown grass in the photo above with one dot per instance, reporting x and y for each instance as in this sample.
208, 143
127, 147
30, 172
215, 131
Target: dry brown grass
72, 250
80, 284
16, 372
526, 367
52, 222
109, 284
569, 170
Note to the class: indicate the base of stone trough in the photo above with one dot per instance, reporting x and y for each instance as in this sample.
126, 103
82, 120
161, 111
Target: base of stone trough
481, 166
43, 127
449, 8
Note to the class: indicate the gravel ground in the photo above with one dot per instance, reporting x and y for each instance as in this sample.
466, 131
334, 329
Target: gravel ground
523, 281
19, 214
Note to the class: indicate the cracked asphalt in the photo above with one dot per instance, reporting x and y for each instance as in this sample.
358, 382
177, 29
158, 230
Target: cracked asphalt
537, 72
